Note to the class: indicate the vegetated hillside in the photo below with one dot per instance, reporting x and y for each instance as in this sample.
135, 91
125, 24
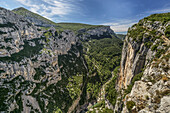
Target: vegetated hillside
51, 71
121, 36
34, 18
143, 82
45, 23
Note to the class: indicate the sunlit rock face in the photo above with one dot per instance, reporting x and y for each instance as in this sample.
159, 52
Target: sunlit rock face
144, 69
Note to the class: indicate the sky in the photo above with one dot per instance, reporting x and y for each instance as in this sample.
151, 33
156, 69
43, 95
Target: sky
119, 14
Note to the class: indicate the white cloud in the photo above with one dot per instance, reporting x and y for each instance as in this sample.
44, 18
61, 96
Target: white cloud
51, 8
163, 10
4, 4
121, 26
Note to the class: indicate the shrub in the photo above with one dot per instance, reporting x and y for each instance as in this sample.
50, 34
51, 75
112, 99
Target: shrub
147, 97
159, 53
106, 110
100, 104
130, 105
154, 47
148, 44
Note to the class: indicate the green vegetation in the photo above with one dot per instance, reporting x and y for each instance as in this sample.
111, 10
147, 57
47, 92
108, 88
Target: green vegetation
74, 86
60, 26
76, 26
3, 96
102, 56
1, 32
26, 13
130, 105
111, 92
106, 110
154, 47
167, 32
99, 104
159, 52
28, 52
47, 34
137, 34
163, 17
8, 24
39, 73
58, 110
138, 31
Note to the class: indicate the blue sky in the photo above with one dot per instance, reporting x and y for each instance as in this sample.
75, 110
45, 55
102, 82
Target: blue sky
119, 14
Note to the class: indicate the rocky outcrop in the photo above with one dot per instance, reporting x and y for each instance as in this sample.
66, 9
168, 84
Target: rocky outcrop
13, 31
96, 33
29, 63
144, 73
38, 67
133, 60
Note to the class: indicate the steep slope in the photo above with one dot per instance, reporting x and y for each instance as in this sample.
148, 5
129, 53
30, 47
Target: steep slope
34, 18
144, 71
47, 71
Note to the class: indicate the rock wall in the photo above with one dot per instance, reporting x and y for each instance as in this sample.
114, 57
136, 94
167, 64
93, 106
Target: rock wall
144, 73
38, 67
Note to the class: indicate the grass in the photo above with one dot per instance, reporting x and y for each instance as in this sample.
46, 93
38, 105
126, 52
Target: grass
76, 26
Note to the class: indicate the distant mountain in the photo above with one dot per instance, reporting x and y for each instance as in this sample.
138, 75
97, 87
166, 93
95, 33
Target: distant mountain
121, 36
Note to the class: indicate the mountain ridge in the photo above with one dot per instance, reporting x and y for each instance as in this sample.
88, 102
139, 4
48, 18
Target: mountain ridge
41, 21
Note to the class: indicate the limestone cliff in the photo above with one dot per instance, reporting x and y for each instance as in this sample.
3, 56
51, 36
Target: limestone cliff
144, 70
45, 70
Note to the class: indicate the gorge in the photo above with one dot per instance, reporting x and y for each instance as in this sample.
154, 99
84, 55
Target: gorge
48, 67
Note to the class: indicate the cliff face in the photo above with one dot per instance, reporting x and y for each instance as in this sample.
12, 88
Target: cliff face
144, 69
44, 71
14, 29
